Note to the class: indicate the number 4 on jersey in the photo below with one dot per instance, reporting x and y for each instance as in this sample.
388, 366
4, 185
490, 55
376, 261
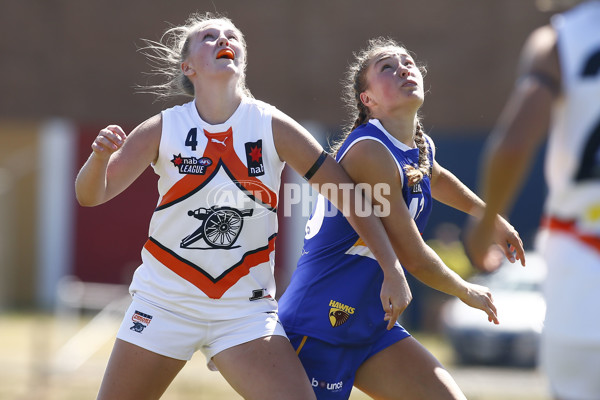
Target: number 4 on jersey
191, 139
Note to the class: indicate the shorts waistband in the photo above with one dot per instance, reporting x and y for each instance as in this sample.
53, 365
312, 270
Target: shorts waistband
570, 227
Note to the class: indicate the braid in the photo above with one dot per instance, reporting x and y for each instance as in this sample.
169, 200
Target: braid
415, 175
362, 117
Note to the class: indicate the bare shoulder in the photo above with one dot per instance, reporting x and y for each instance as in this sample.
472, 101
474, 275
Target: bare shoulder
540, 53
283, 124
150, 127
294, 144
369, 161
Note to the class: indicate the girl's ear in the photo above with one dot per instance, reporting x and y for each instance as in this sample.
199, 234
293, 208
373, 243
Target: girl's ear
365, 99
187, 70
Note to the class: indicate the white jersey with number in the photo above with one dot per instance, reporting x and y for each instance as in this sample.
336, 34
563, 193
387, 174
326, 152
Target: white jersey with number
210, 249
572, 165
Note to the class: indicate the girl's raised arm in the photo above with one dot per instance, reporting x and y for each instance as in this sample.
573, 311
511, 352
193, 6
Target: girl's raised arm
117, 160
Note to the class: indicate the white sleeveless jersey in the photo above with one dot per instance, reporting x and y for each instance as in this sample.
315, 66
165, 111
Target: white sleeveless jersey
572, 165
211, 242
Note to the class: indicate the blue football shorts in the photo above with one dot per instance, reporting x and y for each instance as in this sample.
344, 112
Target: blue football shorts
331, 368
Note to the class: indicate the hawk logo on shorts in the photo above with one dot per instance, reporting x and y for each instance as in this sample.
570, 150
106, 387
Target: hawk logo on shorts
140, 321
339, 313
337, 317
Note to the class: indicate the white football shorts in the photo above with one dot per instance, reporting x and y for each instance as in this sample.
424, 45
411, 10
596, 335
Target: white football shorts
570, 347
179, 336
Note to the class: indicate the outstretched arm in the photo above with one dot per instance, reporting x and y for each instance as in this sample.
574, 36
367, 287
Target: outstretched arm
522, 126
116, 161
448, 189
300, 150
370, 163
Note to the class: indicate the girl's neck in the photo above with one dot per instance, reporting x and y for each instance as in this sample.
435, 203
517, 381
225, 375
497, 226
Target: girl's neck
215, 106
402, 129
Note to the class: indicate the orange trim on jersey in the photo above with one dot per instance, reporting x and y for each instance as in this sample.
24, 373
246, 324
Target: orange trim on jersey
220, 147
569, 227
212, 287
360, 242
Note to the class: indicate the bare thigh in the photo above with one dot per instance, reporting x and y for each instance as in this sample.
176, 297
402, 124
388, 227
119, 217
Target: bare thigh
406, 370
265, 368
136, 373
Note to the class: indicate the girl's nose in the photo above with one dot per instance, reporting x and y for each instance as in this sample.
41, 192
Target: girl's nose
223, 41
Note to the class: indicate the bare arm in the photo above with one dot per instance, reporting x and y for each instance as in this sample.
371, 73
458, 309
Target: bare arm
369, 162
117, 160
521, 128
300, 150
448, 189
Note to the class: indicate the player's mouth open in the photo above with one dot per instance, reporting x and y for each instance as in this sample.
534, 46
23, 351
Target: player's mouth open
226, 53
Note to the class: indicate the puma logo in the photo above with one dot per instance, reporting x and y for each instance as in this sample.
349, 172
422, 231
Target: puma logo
219, 141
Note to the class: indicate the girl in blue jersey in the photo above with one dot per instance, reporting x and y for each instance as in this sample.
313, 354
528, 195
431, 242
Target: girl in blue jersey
332, 308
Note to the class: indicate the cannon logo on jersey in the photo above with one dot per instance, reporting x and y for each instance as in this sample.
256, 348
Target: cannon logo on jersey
220, 227
191, 165
254, 158
339, 313
140, 321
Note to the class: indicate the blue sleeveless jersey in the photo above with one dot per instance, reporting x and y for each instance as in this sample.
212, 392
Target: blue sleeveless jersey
334, 292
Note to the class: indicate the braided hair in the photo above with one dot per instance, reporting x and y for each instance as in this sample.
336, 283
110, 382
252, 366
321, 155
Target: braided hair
416, 174
355, 83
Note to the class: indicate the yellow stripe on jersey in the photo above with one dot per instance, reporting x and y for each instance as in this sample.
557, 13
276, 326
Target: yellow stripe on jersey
301, 344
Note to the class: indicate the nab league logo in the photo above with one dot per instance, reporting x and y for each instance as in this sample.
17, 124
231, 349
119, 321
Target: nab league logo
191, 165
140, 321
254, 158
339, 313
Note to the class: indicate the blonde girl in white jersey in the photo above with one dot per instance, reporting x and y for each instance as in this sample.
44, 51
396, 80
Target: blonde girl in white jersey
203, 289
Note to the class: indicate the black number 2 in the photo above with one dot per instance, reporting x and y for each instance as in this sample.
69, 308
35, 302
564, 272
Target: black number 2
590, 162
192, 138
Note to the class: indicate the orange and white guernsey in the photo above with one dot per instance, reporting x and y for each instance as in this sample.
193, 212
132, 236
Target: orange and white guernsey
572, 165
211, 244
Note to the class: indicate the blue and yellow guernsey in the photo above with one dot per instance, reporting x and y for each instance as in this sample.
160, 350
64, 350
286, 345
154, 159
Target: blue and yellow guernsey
334, 292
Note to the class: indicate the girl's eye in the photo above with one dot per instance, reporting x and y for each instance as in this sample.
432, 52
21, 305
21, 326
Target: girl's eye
208, 36
385, 66
232, 37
